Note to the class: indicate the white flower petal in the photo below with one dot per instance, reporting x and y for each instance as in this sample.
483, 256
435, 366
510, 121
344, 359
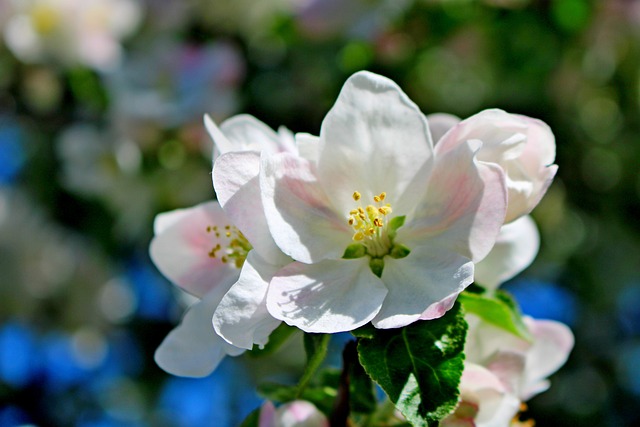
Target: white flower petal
524, 147
552, 344
424, 285
193, 349
237, 183
242, 317
299, 214
516, 247
374, 139
221, 143
463, 207
181, 250
327, 297
440, 123
247, 133
308, 146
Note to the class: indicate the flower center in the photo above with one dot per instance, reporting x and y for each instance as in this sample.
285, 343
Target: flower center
374, 232
370, 225
230, 245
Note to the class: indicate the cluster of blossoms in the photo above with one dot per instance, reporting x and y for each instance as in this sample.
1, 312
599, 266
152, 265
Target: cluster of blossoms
69, 32
385, 218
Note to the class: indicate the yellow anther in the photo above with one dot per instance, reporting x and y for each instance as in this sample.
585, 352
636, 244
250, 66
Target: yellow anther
377, 222
384, 210
224, 259
371, 231
362, 216
209, 229
358, 236
353, 211
351, 221
370, 209
376, 199
382, 196
228, 234
356, 196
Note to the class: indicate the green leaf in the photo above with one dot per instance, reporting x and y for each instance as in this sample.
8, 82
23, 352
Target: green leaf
315, 346
419, 366
354, 250
278, 337
322, 395
498, 309
362, 398
252, 419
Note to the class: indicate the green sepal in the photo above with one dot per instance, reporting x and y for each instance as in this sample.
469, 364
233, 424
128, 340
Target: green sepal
399, 251
355, 250
395, 223
376, 265
278, 337
498, 309
419, 366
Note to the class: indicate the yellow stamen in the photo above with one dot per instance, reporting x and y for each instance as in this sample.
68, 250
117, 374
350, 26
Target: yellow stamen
356, 196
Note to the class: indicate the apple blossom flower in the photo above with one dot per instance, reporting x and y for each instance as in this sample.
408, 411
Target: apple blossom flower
70, 31
522, 146
522, 366
242, 317
515, 249
484, 401
382, 226
298, 413
199, 250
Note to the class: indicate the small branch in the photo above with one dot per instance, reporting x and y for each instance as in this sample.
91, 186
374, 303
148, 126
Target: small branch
341, 409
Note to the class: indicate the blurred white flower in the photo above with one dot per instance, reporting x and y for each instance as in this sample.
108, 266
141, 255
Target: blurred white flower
70, 32
298, 413
169, 84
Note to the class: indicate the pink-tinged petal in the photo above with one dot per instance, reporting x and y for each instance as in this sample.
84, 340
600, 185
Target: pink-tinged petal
221, 144
267, 415
552, 344
242, 317
516, 247
481, 390
327, 297
424, 285
440, 123
182, 250
247, 133
299, 214
193, 349
300, 413
237, 184
523, 147
374, 139
509, 367
463, 207
493, 127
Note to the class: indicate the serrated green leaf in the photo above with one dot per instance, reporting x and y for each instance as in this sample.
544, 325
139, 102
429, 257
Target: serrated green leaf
315, 345
419, 366
354, 250
498, 309
278, 337
362, 398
